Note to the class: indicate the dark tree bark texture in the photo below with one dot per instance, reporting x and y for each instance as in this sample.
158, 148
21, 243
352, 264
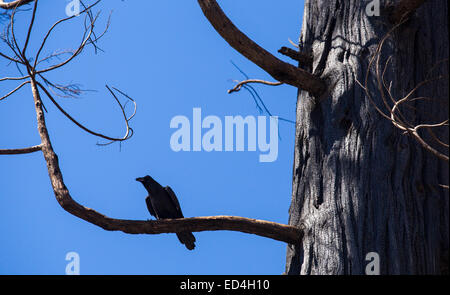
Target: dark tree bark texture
360, 184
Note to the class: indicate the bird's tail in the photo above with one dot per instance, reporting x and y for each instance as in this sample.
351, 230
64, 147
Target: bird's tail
187, 239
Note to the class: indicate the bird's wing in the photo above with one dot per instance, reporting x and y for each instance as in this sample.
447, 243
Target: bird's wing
174, 199
150, 208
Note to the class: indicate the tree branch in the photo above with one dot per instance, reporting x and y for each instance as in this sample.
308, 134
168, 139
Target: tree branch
276, 231
14, 90
393, 113
403, 9
303, 58
277, 68
28, 150
13, 4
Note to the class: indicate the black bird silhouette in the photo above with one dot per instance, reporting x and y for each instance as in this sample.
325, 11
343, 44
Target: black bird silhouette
163, 204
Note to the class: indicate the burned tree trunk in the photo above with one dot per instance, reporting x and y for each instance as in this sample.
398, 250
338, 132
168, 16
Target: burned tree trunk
361, 184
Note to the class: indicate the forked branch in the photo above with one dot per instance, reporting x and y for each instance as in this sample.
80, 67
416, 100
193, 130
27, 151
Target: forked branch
391, 105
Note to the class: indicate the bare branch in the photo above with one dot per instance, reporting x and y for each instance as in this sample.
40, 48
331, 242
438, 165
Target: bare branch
277, 68
30, 27
56, 55
14, 90
14, 45
75, 52
17, 58
399, 121
128, 133
10, 58
293, 44
67, 91
240, 84
427, 146
14, 78
303, 58
23, 151
430, 131
13, 4
280, 232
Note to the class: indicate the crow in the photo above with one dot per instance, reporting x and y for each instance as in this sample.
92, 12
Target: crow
162, 203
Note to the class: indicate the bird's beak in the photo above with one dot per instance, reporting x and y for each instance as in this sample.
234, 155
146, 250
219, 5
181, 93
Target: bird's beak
140, 179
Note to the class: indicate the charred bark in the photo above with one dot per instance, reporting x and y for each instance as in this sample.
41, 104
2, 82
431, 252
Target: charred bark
360, 185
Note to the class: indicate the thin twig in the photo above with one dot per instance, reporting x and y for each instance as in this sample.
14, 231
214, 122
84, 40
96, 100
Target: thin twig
240, 84
14, 90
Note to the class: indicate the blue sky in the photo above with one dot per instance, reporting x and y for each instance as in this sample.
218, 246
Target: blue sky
170, 60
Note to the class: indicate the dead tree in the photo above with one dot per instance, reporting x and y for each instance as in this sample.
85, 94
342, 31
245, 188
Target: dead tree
366, 179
